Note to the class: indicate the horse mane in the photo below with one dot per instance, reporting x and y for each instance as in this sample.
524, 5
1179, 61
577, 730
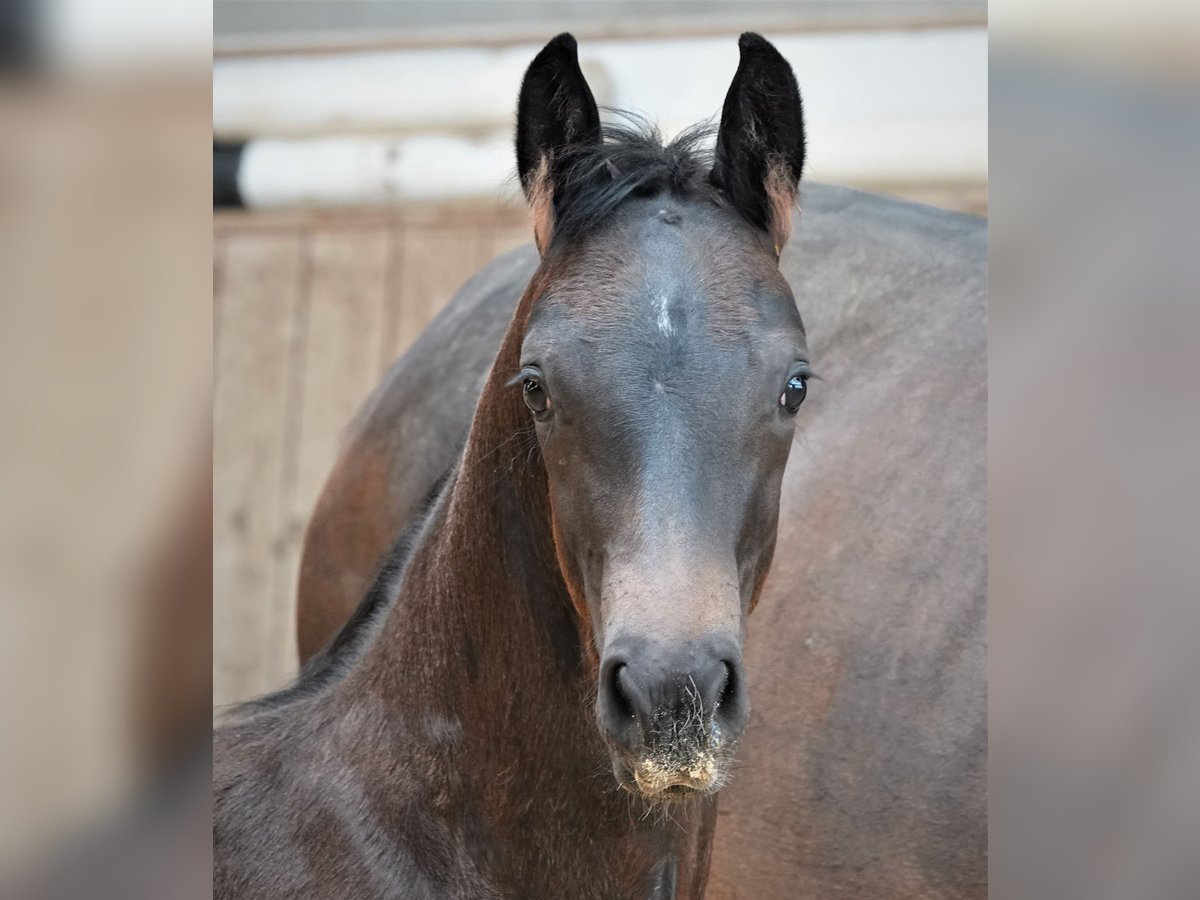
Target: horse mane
335, 658
631, 160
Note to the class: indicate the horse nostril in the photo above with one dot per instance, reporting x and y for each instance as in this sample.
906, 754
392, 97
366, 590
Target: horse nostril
729, 703
726, 687
656, 696
622, 701
622, 707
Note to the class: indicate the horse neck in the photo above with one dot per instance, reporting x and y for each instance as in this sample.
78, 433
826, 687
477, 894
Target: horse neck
484, 655
483, 609
484, 617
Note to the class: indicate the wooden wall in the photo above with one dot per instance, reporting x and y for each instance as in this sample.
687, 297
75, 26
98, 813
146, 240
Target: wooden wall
309, 311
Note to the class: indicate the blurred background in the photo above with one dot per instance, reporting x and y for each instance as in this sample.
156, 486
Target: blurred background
364, 170
114, 268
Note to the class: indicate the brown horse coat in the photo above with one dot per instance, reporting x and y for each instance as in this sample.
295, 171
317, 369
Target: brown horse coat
862, 773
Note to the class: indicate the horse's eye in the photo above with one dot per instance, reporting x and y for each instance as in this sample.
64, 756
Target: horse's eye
794, 393
535, 396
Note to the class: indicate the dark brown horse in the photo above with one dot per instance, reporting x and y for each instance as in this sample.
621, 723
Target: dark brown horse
574, 598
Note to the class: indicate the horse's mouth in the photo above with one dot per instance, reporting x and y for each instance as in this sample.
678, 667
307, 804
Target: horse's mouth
652, 780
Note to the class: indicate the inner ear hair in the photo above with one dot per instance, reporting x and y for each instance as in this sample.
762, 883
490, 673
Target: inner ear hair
539, 192
782, 194
760, 144
556, 115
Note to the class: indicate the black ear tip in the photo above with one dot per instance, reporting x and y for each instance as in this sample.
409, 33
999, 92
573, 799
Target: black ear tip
563, 43
752, 42
559, 52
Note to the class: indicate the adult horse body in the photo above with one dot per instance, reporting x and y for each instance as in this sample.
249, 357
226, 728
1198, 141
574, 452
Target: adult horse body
403, 765
862, 773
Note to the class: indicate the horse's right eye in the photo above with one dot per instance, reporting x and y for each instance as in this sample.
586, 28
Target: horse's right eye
535, 395
794, 393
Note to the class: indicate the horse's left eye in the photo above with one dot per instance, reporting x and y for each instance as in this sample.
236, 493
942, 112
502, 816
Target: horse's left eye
794, 393
535, 396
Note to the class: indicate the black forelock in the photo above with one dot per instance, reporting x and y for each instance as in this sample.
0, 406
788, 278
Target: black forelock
592, 180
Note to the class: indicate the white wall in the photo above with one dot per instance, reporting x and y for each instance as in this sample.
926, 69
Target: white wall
884, 106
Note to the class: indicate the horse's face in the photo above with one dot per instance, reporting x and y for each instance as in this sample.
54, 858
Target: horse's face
664, 364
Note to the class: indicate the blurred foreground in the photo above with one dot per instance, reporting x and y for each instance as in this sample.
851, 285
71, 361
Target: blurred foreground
1094, 775
105, 476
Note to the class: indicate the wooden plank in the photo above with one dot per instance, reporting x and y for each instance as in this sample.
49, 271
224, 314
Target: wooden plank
428, 265
468, 213
293, 219
337, 360
506, 236
307, 314
393, 299
258, 294
434, 264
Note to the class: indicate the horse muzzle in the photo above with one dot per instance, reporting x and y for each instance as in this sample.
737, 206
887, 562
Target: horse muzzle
671, 718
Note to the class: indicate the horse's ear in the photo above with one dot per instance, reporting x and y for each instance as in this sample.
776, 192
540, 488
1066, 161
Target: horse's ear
556, 113
760, 145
